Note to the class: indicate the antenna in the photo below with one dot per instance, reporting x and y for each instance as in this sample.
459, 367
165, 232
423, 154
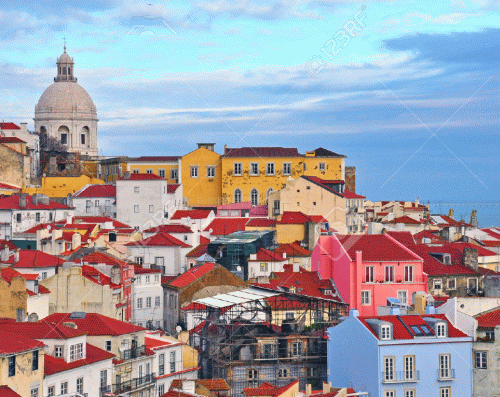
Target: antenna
64, 38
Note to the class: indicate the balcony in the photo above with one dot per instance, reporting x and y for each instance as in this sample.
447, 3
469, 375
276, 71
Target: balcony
129, 386
135, 352
400, 377
447, 374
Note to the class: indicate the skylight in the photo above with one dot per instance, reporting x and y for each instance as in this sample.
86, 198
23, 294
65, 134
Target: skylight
416, 330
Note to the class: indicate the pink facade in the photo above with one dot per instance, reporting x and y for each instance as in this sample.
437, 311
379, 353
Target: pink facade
368, 269
241, 210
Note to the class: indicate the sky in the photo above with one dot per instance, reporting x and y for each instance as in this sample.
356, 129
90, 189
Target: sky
407, 90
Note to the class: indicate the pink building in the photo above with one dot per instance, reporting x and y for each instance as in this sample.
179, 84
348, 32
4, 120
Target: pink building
368, 269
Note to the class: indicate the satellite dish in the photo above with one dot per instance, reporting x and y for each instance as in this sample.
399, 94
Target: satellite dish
178, 329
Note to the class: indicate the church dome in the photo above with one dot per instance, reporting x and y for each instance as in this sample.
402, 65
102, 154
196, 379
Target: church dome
65, 58
64, 97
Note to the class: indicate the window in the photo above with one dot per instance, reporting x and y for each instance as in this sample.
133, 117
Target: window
409, 393
37, 217
389, 274
444, 366
58, 351
254, 197
283, 373
136, 189
270, 168
104, 379
238, 169
139, 260
148, 301
79, 385
157, 301
452, 283
194, 171
237, 196
139, 303
148, 279
108, 345
172, 361
408, 274
76, 352
276, 207
385, 332
161, 173
174, 173
64, 139
409, 363
403, 297
365, 298
12, 365
151, 209
161, 364
389, 370
445, 392
210, 171
88, 205
149, 171
44, 275
253, 374
287, 168
136, 209
481, 360
51, 391
18, 217
490, 335
254, 169
161, 390
441, 330
437, 284
370, 274
296, 349
34, 362
157, 277
34, 392
263, 267
322, 166
64, 388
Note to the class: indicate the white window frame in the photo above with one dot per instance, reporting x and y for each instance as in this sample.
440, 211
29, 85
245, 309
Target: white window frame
389, 393
194, 171
149, 171
408, 274
385, 332
445, 391
437, 281
210, 171
257, 201
151, 209
162, 172
136, 209
482, 355
389, 362
366, 297
240, 196
369, 274
174, 173
410, 372
237, 169
441, 330
445, 366
268, 166
454, 284
252, 171
287, 168
322, 166
391, 280
405, 293
409, 393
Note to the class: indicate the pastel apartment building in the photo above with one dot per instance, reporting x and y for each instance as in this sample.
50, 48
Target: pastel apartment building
368, 269
400, 356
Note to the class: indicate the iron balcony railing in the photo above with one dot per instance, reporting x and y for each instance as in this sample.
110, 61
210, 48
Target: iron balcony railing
445, 374
129, 386
400, 376
132, 353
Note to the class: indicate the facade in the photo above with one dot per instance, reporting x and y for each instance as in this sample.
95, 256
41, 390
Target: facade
147, 295
13, 295
296, 226
11, 130
66, 112
15, 162
297, 255
166, 167
401, 355
265, 262
198, 219
141, 200
368, 269
32, 261
95, 200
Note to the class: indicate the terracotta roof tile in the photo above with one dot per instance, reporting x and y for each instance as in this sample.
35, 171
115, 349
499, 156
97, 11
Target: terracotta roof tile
225, 226
17, 344
12, 203
261, 152
94, 354
4, 186
404, 238
170, 228
171, 188
407, 220
198, 251
159, 239
433, 266
261, 222
264, 255
98, 191
489, 320
292, 249
34, 259
42, 329
11, 139
141, 177
192, 275
6, 391
193, 214
9, 126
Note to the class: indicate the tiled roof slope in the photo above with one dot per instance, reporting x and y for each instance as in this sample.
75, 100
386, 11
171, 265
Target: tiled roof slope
98, 191
261, 152
191, 275
94, 354
225, 226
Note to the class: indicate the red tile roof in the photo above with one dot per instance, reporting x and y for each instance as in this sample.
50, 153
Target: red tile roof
204, 240
92, 274
171, 228
96, 324
7, 274
491, 243
225, 226
461, 245
34, 259
101, 257
198, 251
261, 152
317, 218
11, 139
141, 177
193, 214
9, 126
407, 220
324, 184
350, 195
171, 188
404, 238
268, 389
450, 221
6, 391
155, 344
401, 325
100, 219
12, 203
159, 240
418, 237
94, 354
98, 191
4, 186
20, 343
192, 275
141, 270
377, 248
43, 329
154, 158
7, 243
292, 249
492, 233
264, 255
489, 320
261, 222
214, 384
294, 218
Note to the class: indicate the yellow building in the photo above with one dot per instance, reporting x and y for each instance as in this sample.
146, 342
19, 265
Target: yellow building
165, 166
13, 295
201, 176
252, 173
113, 168
61, 186
21, 364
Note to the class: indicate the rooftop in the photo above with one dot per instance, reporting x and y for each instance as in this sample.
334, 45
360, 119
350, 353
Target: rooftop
170, 228
192, 275
93, 354
97, 191
192, 214
225, 226
34, 259
261, 152
12, 203
159, 239
141, 177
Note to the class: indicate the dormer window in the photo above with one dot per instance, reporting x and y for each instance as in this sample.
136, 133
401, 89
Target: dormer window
328, 291
447, 259
441, 330
385, 332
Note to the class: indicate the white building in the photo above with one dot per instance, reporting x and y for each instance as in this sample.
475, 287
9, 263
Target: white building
161, 251
147, 298
141, 200
188, 234
20, 212
95, 200
31, 261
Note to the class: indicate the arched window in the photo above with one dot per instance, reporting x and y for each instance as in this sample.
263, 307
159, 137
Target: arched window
237, 196
64, 70
63, 132
69, 71
254, 197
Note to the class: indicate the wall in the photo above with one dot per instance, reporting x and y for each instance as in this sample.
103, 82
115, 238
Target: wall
174, 257
487, 381
14, 167
143, 290
13, 297
25, 378
38, 304
62, 186
155, 166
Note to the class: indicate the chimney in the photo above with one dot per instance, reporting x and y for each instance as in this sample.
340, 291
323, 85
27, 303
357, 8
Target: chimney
395, 311
70, 324
470, 258
308, 389
16, 255
430, 309
22, 200
115, 275
5, 253
353, 313
69, 219
327, 387
24, 126
35, 199
126, 175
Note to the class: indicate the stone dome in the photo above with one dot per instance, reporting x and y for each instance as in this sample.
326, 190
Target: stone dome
65, 58
64, 97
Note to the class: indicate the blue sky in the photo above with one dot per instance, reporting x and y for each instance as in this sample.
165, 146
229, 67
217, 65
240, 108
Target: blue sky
411, 97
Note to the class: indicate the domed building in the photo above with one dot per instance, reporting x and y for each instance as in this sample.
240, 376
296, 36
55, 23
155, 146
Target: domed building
66, 111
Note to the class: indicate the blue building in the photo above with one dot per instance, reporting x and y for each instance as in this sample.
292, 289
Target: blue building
400, 356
